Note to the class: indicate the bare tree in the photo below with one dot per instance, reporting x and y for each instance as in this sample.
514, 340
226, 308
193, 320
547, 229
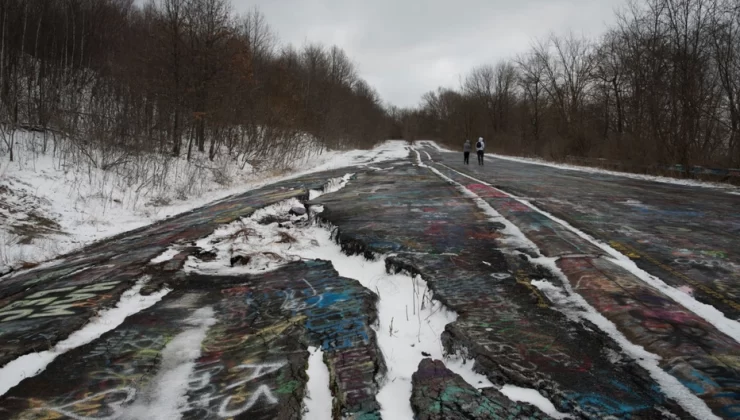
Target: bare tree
531, 80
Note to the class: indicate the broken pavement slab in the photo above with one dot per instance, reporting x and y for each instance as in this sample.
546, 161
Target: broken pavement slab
440, 394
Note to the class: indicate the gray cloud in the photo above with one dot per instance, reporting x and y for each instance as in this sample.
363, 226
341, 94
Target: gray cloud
407, 47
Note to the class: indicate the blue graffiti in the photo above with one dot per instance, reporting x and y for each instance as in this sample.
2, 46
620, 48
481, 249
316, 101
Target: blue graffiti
337, 332
326, 299
701, 385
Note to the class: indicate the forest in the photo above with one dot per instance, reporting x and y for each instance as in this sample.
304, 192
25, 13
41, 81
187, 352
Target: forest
177, 77
116, 81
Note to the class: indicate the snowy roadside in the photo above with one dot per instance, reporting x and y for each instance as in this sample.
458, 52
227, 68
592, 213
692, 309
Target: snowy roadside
731, 189
48, 208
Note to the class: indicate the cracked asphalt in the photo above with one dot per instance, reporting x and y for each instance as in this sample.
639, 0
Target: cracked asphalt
253, 358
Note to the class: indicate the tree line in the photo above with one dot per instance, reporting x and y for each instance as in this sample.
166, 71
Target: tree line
175, 77
662, 86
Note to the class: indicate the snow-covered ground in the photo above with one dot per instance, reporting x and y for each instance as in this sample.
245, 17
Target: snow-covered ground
49, 207
565, 166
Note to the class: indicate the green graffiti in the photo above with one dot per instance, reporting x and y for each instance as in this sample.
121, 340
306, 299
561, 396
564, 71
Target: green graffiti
288, 387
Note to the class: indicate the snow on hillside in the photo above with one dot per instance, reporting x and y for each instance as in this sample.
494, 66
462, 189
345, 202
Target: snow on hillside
49, 206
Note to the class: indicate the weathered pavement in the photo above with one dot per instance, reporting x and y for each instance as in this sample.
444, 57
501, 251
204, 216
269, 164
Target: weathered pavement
256, 329
504, 323
253, 359
700, 356
686, 236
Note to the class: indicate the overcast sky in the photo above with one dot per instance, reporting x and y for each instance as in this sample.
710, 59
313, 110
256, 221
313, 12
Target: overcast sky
405, 48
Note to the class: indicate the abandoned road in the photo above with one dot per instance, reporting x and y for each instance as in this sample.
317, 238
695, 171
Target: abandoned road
605, 296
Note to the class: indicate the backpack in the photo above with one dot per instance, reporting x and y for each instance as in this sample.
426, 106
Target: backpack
478, 145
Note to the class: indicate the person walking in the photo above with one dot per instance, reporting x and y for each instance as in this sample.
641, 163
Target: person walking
479, 148
466, 152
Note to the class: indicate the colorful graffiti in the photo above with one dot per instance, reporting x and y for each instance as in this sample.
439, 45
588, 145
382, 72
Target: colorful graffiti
504, 323
662, 326
439, 394
647, 221
252, 360
54, 302
39, 307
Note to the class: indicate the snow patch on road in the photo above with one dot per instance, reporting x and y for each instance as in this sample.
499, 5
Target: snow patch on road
434, 145
318, 400
131, 302
334, 184
532, 396
165, 256
418, 157
255, 244
167, 398
250, 247
466, 369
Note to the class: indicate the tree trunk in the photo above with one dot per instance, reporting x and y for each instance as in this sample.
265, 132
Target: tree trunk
176, 140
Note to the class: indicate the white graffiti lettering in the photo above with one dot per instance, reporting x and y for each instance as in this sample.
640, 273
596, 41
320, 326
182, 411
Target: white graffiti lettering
259, 370
115, 411
204, 391
262, 390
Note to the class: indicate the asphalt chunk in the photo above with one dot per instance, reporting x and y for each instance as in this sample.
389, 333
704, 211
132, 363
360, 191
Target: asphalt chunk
440, 394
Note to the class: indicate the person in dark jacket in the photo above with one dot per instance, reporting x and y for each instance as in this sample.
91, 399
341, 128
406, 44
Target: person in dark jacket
479, 148
466, 152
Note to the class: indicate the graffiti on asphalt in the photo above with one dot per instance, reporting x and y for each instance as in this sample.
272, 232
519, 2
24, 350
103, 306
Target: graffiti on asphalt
504, 323
55, 302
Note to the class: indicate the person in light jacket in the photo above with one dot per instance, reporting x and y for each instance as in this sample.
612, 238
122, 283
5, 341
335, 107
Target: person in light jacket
479, 148
466, 152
